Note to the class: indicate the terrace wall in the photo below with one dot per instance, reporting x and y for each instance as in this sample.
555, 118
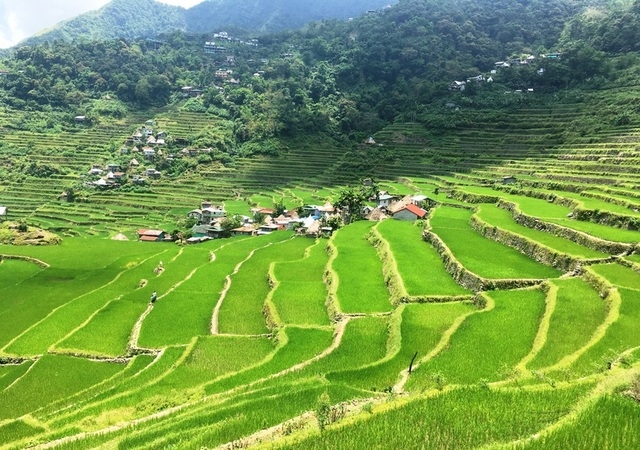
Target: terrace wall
532, 249
469, 279
392, 277
581, 213
612, 248
25, 258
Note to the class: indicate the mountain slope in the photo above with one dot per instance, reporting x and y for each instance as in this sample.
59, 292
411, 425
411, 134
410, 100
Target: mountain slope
126, 19
130, 19
273, 15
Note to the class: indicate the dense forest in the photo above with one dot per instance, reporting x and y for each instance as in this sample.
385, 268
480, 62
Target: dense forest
343, 78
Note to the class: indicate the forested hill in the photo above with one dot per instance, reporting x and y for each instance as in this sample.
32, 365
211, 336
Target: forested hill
126, 19
274, 15
131, 19
338, 77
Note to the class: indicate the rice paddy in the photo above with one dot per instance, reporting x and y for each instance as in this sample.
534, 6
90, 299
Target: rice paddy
252, 340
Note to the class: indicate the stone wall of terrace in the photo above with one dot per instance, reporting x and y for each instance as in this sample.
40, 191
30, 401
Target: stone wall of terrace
612, 248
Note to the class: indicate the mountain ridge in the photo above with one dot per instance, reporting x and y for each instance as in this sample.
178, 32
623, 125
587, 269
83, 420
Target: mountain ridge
130, 19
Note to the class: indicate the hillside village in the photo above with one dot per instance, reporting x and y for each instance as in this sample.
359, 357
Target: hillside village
314, 221
522, 61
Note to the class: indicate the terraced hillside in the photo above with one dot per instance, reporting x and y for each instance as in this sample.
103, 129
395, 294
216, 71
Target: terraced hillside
510, 318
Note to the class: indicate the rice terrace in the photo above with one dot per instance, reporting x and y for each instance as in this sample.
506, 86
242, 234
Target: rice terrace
499, 308
265, 259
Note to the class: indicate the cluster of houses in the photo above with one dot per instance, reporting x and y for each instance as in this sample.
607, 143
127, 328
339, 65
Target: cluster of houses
308, 220
146, 147
524, 60
224, 36
408, 208
107, 176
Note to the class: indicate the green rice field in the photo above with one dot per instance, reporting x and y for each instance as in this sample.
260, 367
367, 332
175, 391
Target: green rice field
365, 338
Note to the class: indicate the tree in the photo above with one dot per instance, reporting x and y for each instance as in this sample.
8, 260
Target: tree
351, 201
230, 223
71, 195
279, 208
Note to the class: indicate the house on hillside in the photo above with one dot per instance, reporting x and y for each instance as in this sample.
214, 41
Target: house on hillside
149, 153
224, 74
458, 86
3, 213
385, 199
212, 48
210, 231
153, 173
207, 213
410, 212
151, 235
244, 231
267, 229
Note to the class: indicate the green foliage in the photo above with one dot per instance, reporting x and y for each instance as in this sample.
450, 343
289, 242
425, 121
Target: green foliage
351, 201
230, 223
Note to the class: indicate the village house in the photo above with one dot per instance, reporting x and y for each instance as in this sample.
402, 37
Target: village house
223, 73
421, 200
101, 184
385, 199
267, 229
211, 48
139, 181
209, 231
409, 212
190, 91
245, 230
458, 86
318, 211
153, 173
149, 153
152, 235
207, 213
3, 212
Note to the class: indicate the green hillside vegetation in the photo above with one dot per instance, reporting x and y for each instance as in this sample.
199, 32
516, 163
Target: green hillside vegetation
507, 317
147, 18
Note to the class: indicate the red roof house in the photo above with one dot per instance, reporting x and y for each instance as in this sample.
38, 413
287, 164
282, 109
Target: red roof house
410, 212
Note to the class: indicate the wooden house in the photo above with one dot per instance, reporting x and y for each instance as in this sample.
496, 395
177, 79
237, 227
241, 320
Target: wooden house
151, 235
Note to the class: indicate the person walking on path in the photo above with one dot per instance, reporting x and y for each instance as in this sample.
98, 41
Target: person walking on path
154, 297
